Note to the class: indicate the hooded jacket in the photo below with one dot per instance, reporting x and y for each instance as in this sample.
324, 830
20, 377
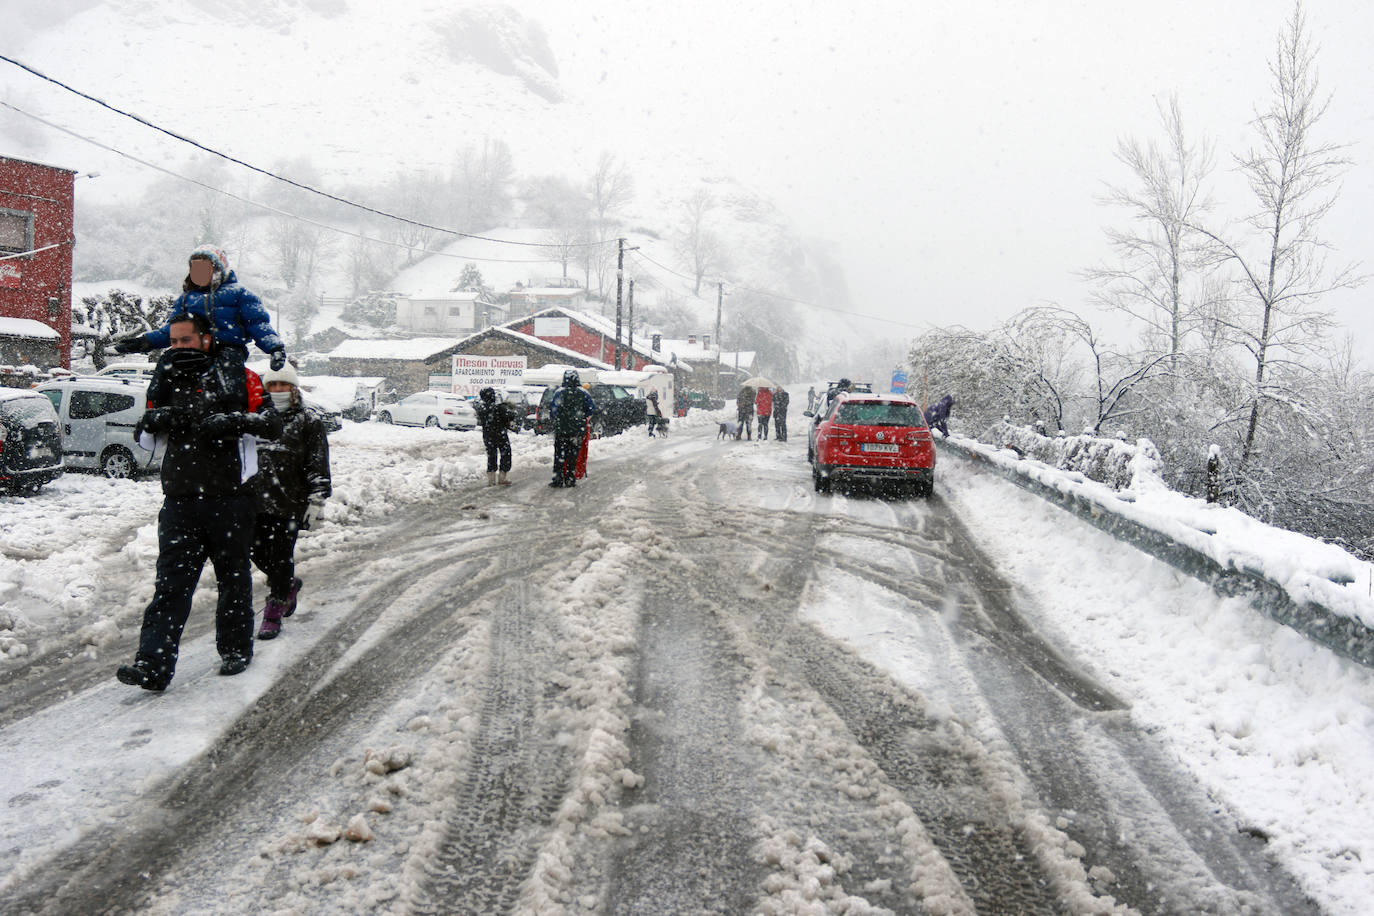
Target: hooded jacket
237, 315
294, 468
203, 405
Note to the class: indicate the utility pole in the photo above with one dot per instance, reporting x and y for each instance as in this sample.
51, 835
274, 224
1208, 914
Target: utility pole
619, 279
630, 356
720, 298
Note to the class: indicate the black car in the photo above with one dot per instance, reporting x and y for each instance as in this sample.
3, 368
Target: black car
703, 401
30, 441
620, 408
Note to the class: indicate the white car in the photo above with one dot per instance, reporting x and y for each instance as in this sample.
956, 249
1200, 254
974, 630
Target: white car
141, 371
430, 408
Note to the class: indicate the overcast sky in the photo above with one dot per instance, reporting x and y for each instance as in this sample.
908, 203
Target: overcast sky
955, 149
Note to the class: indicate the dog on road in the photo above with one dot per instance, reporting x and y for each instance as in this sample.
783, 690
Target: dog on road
728, 428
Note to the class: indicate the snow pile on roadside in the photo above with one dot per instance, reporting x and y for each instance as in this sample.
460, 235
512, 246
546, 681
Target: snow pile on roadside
1278, 728
1309, 570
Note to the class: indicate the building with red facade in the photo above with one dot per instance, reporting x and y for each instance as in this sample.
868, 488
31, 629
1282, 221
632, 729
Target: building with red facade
37, 234
590, 335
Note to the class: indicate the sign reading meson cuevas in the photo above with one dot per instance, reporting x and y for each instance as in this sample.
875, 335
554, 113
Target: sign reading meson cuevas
470, 374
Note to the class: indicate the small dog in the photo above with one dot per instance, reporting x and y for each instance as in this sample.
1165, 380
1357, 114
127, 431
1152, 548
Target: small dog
728, 429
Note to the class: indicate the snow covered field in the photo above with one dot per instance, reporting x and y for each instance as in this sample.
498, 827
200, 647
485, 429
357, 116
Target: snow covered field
1275, 730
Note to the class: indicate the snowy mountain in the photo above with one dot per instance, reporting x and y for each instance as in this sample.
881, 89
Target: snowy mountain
347, 94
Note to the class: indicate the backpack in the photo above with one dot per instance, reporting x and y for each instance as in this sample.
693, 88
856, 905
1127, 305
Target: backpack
570, 410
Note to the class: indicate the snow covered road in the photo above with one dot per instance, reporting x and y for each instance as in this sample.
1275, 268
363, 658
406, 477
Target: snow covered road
688, 685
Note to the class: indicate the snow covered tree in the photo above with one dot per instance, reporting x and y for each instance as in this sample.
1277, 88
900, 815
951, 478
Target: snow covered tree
1159, 254
1281, 267
698, 245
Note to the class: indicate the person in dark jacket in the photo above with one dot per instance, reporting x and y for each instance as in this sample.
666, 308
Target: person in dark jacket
289, 491
572, 407
200, 409
937, 414
744, 411
780, 401
497, 419
212, 289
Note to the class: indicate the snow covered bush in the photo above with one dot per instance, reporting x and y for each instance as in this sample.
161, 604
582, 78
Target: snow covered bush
1118, 464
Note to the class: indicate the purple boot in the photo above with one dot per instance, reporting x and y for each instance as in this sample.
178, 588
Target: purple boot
291, 597
272, 613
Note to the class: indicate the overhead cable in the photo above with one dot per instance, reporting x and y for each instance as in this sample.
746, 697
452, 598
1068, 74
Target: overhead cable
270, 174
268, 207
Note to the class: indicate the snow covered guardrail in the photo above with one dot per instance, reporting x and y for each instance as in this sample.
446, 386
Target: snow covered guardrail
1316, 588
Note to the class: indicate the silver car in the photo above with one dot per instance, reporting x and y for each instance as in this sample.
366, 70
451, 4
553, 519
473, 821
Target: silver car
98, 416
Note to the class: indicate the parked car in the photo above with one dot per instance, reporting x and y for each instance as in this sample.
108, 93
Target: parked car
98, 416
873, 439
525, 399
620, 408
703, 401
30, 441
142, 371
430, 408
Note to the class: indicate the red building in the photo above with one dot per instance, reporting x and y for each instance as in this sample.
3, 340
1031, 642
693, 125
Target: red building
588, 334
37, 233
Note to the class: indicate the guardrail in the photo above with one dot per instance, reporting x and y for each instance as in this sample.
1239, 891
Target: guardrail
1343, 635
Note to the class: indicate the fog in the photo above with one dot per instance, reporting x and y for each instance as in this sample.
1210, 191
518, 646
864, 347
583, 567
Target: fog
956, 151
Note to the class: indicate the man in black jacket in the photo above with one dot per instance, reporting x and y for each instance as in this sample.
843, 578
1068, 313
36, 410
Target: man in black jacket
200, 411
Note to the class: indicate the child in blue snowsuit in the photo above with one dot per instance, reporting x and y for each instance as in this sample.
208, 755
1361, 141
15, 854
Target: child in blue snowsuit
211, 289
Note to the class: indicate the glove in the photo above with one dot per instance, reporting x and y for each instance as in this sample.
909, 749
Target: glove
161, 420
278, 360
132, 343
313, 514
221, 425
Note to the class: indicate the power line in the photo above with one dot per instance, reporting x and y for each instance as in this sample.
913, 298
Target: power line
270, 174
268, 207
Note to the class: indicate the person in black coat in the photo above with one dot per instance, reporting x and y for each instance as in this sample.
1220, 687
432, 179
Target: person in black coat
571, 408
497, 419
937, 414
289, 491
780, 401
200, 408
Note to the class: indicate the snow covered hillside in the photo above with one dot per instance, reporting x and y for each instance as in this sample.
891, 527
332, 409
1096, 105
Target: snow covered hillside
348, 95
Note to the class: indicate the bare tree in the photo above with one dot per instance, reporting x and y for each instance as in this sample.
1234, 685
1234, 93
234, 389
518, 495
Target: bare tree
1292, 174
610, 187
563, 210
1159, 252
418, 197
480, 183
702, 248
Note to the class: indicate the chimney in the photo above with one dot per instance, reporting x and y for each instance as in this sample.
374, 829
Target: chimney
692, 339
657, 343
705, 341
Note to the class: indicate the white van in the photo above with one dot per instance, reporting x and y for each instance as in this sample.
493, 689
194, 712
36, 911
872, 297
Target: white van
98, 416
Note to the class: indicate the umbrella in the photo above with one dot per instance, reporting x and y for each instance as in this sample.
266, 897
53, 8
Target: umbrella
759, 381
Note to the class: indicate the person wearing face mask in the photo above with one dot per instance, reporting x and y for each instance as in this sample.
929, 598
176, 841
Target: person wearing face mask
236, 314
289, 491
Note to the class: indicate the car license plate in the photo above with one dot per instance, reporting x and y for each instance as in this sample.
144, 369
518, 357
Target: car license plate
885, 447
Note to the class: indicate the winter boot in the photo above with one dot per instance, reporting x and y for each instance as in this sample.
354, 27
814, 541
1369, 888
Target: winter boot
491, 478
141, 674
291, 597
272, 614
502, 479
233, 663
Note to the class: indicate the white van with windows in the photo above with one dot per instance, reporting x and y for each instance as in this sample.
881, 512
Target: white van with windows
97, 417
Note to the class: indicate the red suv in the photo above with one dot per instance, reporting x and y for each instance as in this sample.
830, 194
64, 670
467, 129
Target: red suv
880, 439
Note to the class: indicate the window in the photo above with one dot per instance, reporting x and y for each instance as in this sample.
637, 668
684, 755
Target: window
455, 311
880, 414
87, 405
16, 231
